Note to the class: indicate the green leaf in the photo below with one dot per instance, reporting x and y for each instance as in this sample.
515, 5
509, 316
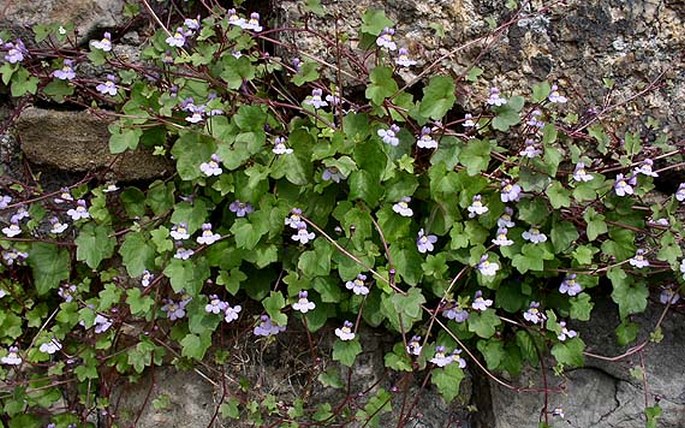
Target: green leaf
493, 351
475, 156
558, 195
508, 114
50, 266
595, 224
570, 352
563, 234
58, 90
23, 83
190, 150
398, 359
653, 414
382, 85
448, 379
626, 332
137, 302
630, 298
316, 262
484, 324
94, 244
346, 351
374, 21
581, 307
438, 97
308, 72
121, 140
195, 347
137, 253
187, 275
231, 280
246, 234
237, 70
273, 306
541, 91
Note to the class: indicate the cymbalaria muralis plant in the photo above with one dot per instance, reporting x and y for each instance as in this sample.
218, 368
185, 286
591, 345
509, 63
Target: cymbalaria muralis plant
301, 206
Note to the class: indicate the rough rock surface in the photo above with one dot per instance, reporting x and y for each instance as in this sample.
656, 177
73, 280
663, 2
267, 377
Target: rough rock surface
604, 394
79, 141
89, 16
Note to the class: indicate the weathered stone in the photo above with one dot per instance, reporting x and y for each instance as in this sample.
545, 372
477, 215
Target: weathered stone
89, 16
79, 141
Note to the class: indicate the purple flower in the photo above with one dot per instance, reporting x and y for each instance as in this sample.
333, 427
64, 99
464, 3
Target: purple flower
215, 305
332, 174
50, 347
402, 207
502, 240
487, 268
21, 214
510, 192
183, 254
11, 256
555, 97
297, 64
315, 99
468, 121
535, 119
624, 186
669, 296
505, 219
532, 149
66, 72
57, 226
231, 313
109, 87
457, 358
15, 52
385, 39
280, 148
12, 230
389, 136
146, 278
414, 346
5, 201
534, 235
267, 328
234, 19
295, 219
197, 113
477, 207
179, 232
12, 358
253, 23
579, 173
3, 293
175, 311
456, 313
403, 59
645, 168
104, 45
680, 193
207, 237
441, 358
178, 39
570, 286
303, 235
639, 261
565, 332
101, 324
80, 212
425, 141
495, 99
333, 100
64, 196
533, 313
241, 209
67, 292
303, 304
345, 332
212, 167
192, 24
424, 242
358, 285
479, 303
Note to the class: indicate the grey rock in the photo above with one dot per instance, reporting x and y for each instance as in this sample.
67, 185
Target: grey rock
79, 141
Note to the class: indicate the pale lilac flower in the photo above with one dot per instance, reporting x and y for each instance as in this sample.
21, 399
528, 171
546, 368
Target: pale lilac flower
3, 293
12, 230
495, 98
192, 24
565, 332
532, 149
332, 174
21, 214
403, 59
502, 240
241, 209
15, 52
66, 72
212, 167
468, 121
639, 261
101, 324
558, 412
479, 303
175, 311
179, 232
146, 278
5, 201
109, 87
669, 296
12, 358
104, 45
424, 242
389, 136
385, 39
579, 173
358, 285
231, 313
425, 141
178, 39
506, 219
280, 148
441, 358
234, 19
402, 207
295, 219
215, 305
624, 186
555, 97
680, 193
570, 286
645, 168
183, 254
534, 119
297, 64
315, 99
267, 328
207, 237
456, 313
12, 256
57, 226
111, 187
534, 235
303, 304
486, 267
303, 235
197, 113
660, 222
682, 268
477, 207
414, 346
253, 23
456, 357
67, 292
345, 332
533, 314
510, 192
50, 347
333, 100
65, 196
